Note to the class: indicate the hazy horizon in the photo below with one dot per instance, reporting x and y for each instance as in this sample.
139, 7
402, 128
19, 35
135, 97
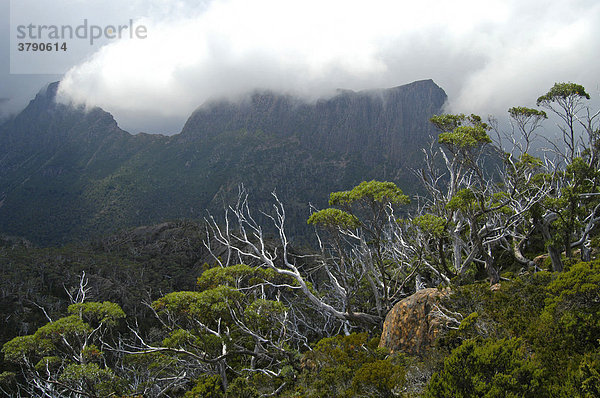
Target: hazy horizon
486, 56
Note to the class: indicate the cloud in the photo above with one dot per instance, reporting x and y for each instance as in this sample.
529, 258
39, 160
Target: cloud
16, 90
488, 55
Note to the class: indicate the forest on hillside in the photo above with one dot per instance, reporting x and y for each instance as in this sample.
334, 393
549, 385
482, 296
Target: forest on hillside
231, 308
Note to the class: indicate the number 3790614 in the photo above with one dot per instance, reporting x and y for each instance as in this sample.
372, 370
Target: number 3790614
42, 46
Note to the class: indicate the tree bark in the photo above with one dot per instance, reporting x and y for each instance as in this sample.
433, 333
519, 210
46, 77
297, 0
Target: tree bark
554, 254
557, 265
490, 268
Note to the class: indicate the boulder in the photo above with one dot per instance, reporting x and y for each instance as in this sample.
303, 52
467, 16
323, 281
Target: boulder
539, 260
413, 324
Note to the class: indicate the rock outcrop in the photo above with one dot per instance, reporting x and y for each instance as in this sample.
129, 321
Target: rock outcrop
414, 324
383, 123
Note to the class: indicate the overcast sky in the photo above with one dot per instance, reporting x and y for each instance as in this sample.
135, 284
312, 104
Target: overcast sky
487, 55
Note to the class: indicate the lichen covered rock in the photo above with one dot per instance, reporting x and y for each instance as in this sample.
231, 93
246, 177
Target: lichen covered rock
414, 324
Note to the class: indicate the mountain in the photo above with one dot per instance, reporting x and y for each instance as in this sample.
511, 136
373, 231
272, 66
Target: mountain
377, 125
68, 173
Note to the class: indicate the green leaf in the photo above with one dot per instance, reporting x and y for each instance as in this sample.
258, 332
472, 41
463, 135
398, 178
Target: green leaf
464, 200
67, 327
20, 348
105, 313
431, 224
563, 91
465, 137
521, 111
334, 218
373, 191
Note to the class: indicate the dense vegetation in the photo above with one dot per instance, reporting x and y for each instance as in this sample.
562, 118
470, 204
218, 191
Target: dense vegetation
516, 245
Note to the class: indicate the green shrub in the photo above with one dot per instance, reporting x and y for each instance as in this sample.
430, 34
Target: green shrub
487, 368
207, 386
348, 366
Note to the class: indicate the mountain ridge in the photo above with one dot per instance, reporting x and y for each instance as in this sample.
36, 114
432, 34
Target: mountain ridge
68, 173
333, 123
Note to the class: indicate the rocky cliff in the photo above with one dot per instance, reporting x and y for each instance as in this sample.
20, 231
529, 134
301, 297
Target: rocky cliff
378, 125
69, 173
